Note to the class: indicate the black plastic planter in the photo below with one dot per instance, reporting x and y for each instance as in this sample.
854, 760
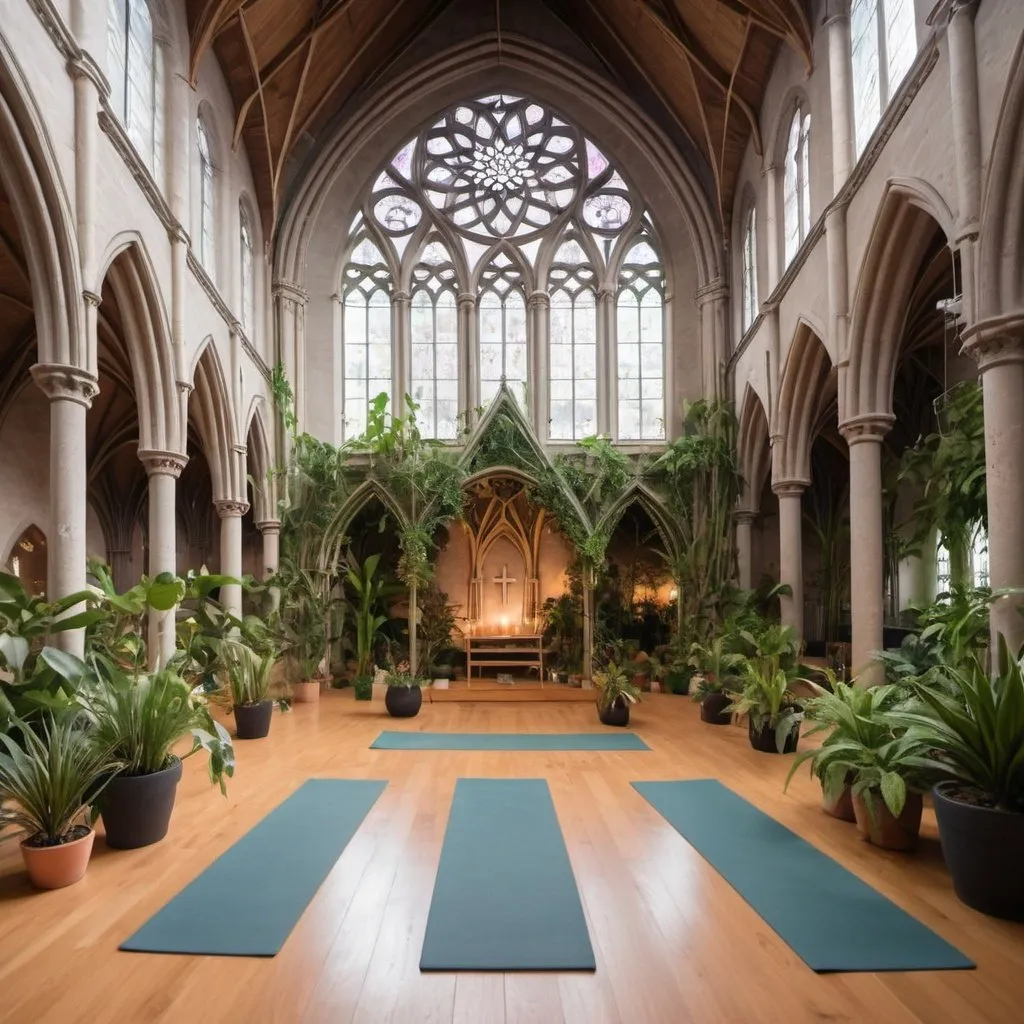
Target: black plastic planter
713, 709
136, 809
984, 848
252, 721
764, 739
403, 701
617, 713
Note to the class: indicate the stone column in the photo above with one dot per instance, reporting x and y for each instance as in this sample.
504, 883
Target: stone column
231, 513
998, 346
791, 551
270, 530
291, 301
70, 392
744, 520
539, 309
840, 62
163, 469
401, 350
712, 303
772, 234
864, 435
468, 356
966, 118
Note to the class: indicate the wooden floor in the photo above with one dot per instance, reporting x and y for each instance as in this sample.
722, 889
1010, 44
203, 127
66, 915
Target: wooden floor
488, 691
674, 943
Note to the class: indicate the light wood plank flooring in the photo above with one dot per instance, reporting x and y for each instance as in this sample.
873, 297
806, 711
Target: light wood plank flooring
674, 943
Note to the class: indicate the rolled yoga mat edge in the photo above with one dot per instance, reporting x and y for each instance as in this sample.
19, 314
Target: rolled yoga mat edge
248, 901
508, 741
505, 897
828, 916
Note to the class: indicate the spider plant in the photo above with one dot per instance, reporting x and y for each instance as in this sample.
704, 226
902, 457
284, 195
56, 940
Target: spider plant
245, 679
615, 685
719, 667
140, 719
51, 780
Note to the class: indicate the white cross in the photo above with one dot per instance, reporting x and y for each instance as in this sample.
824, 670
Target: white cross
504, 581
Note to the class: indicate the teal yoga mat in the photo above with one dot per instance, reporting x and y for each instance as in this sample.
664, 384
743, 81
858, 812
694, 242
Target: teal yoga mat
508, 741
830, 918
250, 898
505, 898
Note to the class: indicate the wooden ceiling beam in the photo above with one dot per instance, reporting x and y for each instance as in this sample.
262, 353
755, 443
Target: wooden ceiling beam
286, 142
795, 31
744, 11
254, 65
266, 75
682, 40
212, 17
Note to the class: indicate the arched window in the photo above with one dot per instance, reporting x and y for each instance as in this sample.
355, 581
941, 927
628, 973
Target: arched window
884, 44
206, 203
504, 182
572, 369
247, 266
434, 382
641, 344
502, 330
797, 184
366, 333
136, 76
750, 300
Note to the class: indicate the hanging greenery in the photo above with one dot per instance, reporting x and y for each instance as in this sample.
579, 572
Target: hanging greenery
699, 478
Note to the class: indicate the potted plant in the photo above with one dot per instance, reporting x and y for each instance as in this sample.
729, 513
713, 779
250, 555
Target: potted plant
677, 677
436, 626
404, 696
718, 669
773, 716
139, 720
615, 692
46, 785
245, 687
976, 739
642, 670
850, 714
368, 592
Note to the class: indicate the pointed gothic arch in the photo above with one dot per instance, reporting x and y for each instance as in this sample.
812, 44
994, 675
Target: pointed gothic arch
211, 409
753, 449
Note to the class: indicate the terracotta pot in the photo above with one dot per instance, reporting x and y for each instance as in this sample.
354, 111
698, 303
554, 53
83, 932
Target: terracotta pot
640, 680
886, 831
307, 692
53, 867
841, 807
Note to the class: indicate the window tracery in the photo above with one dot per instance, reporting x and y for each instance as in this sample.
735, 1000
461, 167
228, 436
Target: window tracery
518, 200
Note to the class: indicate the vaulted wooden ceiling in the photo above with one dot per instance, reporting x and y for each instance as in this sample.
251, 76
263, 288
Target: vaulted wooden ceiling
291, 64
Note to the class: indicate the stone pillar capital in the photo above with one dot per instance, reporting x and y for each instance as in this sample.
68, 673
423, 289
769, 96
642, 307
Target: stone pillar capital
399, 298
467, 300
867, 427
269, 526
289, 291
836, 10
66, 383
744, 516
538, 300
996, 341
160, 463
789, 488
230, 508
92, 299
714, 291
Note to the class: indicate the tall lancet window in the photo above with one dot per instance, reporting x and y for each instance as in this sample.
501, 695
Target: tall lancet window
135, 71
797, 184
572, 370
502, 331
749, 268
641, 344
247, 262
207, 213
434, 381
366, 333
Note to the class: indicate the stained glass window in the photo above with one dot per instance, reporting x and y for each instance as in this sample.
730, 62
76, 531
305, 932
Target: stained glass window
206, 203
641, 345
366, 333
750, 299
135, 72
497, 198
884, 45
435, 343
797, 186
247, 264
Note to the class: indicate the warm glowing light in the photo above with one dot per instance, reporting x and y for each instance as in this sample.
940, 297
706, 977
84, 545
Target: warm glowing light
504, 623
673, 594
